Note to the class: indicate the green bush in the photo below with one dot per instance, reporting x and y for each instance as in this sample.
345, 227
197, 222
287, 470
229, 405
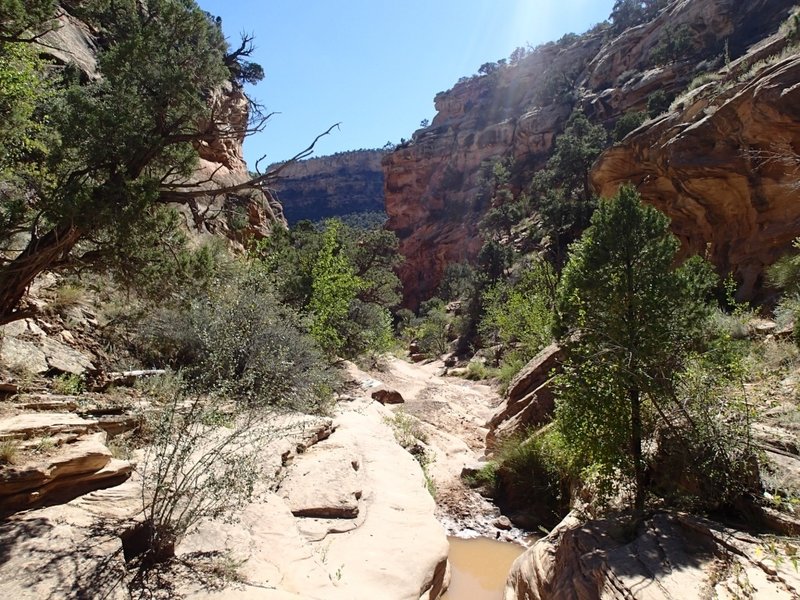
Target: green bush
658, 103
197, 467
251, 349
628, 122
239, 340
706, 459
532, 477
432, 329
478, 371
510, 365
521, 313
68, 384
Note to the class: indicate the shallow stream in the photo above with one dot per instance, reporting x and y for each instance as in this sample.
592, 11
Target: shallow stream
479, 567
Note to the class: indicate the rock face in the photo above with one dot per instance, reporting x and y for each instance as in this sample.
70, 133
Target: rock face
332, 186
68, 458
529, 400
724, 168
432, 181
27, 348
670, 556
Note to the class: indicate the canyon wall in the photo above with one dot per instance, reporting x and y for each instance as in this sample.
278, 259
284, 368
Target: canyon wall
724, 167
517, 111
332, 186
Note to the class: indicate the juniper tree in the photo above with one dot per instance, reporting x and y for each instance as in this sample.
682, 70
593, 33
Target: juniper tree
122, 146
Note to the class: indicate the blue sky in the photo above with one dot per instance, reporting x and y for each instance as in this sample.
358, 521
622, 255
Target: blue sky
375, 65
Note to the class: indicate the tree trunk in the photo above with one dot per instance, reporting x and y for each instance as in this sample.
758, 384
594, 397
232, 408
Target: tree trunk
40, 254
636, 449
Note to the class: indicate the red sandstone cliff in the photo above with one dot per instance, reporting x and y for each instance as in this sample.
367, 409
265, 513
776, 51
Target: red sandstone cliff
723, 166
432, 181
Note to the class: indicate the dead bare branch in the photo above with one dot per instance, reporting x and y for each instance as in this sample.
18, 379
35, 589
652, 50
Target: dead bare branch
185, 191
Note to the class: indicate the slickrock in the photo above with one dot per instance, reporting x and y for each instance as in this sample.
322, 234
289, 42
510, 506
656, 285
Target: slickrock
46, 403
324, 483
328, 559
670, 557
59, 553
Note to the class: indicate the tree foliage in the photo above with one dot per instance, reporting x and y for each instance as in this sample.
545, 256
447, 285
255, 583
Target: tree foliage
24, 132
628, 122
637, 318
334, 286
118, 147
629, 13
520, 314
561, 192
24, 20
305, 261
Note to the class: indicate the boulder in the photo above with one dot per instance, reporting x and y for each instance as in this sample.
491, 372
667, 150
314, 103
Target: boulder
386, 395
668, 557
64, 359
529, 400
23, 356
26, 347
71, 470
323, 483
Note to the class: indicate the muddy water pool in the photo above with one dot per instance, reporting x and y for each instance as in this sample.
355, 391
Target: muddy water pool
478, 568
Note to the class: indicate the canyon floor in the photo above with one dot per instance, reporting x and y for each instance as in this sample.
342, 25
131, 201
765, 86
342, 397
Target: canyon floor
347, 514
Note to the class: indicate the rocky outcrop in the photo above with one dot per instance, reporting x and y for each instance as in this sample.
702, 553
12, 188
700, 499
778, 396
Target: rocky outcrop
62, 456
26, 347
530, 400
669, 556
332, 186
724, 169
433, 194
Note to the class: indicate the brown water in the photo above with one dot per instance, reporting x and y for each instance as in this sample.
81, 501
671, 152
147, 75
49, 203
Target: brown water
478, 568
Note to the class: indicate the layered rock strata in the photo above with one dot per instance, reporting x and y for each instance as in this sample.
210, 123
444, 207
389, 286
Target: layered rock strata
433, 181
724, 167
332, 186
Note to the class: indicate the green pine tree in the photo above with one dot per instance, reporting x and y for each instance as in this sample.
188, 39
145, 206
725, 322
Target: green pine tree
637, 318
